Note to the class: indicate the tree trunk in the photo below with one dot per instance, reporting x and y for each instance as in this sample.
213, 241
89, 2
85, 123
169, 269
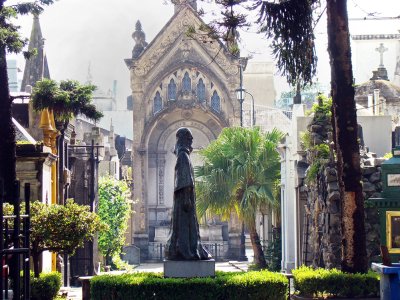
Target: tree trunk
354, 258
7, 134
36, 265
259, 258
108, 259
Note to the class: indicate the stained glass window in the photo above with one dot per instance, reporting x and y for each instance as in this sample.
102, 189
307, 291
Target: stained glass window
201, 91
157, 103
172, 90
216, 102
186, 83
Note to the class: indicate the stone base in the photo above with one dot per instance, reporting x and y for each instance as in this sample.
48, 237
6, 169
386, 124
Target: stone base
189, 268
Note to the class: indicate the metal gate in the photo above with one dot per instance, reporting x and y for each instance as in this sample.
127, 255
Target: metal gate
14, 246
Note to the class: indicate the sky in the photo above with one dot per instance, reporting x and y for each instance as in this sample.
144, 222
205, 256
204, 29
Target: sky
97, 33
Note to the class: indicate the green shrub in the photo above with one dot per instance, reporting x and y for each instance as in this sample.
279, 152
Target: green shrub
320, 282
250, 285
45, 287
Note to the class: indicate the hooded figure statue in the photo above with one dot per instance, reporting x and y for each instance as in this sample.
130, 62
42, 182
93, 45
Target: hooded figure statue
184, 238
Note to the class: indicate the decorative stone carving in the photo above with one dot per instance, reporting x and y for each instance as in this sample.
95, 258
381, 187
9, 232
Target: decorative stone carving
187, 114
154, 54
161, 171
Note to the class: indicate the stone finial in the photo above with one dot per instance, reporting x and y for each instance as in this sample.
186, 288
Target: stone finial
140, 39
181, 3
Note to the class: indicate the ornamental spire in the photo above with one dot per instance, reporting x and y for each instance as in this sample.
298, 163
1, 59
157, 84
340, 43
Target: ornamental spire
140, 39
36, 68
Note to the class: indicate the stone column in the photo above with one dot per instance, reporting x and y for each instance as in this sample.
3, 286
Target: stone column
140, 232
288, 208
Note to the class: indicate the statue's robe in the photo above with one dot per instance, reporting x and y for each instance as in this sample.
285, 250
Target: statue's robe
184, 240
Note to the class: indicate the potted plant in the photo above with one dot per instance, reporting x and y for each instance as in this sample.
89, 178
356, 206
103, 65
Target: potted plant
66, 100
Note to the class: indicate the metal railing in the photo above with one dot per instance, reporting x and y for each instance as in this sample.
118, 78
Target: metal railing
156, 250
14, 246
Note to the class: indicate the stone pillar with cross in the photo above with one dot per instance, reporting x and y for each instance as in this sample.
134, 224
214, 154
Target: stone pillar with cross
381, 73
381, 49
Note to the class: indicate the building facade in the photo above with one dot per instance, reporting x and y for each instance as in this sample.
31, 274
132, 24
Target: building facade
177, 81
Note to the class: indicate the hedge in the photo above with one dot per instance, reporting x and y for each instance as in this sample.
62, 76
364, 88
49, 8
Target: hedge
45, 287
309, 282
225, 285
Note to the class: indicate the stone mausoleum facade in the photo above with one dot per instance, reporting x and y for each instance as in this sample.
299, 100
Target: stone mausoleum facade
177, 81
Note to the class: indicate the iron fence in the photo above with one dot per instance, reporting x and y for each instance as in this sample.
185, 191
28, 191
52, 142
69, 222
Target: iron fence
156, 250
14, 246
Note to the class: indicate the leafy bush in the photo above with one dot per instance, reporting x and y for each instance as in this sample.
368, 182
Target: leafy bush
114, 210
323, 107
45, 287
321, 282
273, 253
250, 285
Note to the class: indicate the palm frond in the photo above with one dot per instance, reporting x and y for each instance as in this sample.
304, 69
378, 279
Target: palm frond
239, 173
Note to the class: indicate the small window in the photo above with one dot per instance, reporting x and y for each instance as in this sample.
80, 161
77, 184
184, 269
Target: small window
393, 231
216, 102
201, 91
186, 83
172, 90
157, 103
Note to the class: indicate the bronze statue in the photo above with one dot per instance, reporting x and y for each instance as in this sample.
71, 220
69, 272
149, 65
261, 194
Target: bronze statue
184, 240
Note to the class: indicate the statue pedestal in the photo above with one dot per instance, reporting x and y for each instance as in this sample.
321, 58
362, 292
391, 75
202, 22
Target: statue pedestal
189, 268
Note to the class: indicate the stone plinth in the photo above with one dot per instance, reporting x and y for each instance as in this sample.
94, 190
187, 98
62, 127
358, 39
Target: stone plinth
189, 268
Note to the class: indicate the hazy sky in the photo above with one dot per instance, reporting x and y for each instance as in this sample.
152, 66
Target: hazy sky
98, 32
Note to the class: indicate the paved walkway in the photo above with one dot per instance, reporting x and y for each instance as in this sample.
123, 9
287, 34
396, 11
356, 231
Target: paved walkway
75, 293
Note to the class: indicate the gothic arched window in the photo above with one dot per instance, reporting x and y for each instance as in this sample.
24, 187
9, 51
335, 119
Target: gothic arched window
157, 106
201, 91
216, 102
186, 83
172, 90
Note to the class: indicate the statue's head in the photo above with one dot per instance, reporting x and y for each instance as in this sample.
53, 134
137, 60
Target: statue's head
184, 139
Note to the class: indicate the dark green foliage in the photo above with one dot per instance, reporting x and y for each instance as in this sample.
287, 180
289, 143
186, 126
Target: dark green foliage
9, 35
45, 287
67, 99
240, 286
290, 25
273, 252
321, 282
318, 153
60, 228
323, 107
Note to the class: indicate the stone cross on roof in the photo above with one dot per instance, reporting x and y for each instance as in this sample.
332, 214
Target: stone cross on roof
381, 49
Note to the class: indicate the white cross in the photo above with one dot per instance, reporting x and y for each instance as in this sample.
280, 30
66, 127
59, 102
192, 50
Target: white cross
381, 49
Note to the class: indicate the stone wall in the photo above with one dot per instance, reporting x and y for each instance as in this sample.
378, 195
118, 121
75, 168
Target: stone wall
372, 188
323, 203
323, 247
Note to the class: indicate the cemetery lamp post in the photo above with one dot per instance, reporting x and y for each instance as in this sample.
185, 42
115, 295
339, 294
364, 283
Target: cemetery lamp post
240, 97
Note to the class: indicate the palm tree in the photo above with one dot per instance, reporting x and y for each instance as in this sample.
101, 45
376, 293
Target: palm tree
239, 175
